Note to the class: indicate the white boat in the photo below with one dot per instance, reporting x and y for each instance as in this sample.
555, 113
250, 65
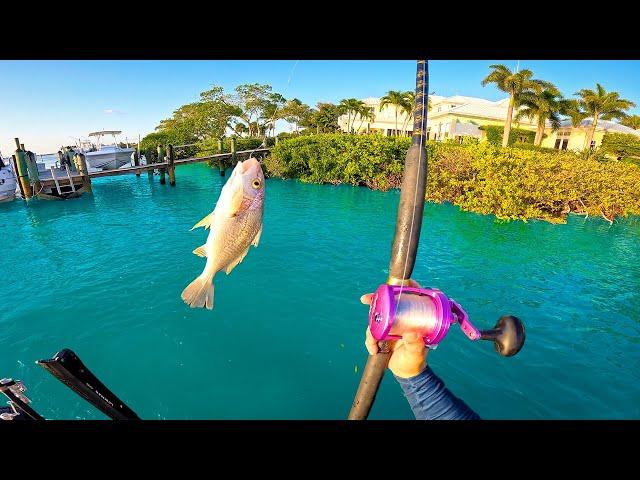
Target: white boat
105, 157
7, 181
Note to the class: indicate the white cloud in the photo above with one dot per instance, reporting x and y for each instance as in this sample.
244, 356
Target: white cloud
113, 111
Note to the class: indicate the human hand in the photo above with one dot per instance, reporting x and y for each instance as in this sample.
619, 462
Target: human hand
408, 355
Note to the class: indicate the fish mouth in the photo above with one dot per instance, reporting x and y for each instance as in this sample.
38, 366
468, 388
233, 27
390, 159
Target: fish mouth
249, 165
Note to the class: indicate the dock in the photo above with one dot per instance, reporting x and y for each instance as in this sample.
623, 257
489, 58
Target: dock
64, 182
224, 158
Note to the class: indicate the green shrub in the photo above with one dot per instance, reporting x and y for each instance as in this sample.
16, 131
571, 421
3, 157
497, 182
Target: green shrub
370, 160
531, 146
511, 183
495, 132
520, 184
621, 145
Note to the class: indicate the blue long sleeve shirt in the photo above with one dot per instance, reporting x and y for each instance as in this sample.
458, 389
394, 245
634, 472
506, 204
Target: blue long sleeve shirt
431, 400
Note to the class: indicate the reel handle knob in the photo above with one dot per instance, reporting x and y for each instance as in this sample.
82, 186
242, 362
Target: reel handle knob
508, 335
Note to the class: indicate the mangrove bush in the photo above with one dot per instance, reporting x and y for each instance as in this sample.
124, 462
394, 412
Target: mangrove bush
511, 183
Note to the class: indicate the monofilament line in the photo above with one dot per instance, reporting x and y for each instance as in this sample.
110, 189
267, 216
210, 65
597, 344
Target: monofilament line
415, 194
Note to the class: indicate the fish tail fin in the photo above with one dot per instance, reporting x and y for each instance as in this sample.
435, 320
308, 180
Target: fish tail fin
199, 293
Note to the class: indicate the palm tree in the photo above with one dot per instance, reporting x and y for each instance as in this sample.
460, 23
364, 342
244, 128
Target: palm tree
515, 84
351, 106
397, 99
410, 104
600, 104
545, 106
366, 113
631, 121
240, 129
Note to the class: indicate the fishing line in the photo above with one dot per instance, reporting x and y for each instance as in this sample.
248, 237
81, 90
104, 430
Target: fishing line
264, 142
415, 195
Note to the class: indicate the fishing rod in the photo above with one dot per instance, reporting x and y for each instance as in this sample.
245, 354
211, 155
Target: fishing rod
67, 367
427, 311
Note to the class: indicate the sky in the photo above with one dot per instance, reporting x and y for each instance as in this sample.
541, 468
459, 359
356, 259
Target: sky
52, 103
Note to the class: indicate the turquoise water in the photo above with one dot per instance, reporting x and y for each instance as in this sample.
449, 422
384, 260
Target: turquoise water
103, 274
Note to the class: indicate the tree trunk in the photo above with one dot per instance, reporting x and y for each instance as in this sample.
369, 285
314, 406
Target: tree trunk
349, 122
539, 132
507, 124
406, 123
396, 121
592, 132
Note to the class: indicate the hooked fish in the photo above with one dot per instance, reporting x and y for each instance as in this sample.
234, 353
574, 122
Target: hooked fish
235, 224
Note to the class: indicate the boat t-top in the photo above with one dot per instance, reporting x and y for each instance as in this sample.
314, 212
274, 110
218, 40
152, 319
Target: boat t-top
104, 156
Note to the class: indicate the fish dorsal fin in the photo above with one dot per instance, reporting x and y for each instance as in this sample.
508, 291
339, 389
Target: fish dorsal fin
205, 222
200, 251
256, 239
235, 262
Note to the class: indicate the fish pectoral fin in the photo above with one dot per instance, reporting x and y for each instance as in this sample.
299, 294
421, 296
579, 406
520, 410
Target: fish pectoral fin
256, 239
205, 222
235, 203
200, 251
235, 262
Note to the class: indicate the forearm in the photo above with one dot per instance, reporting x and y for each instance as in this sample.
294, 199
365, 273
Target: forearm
431, 400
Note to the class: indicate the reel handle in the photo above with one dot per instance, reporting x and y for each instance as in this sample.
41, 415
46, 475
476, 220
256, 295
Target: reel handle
508, 335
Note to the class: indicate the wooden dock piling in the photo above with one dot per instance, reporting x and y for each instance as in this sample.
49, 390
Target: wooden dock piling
22, 172
233, 151
161, 160
32, 169
14, 167
220, 162
171, 167
83, 170
148, 153
136, 162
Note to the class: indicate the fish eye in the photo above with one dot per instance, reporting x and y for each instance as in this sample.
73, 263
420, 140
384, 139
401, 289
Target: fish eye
256, 183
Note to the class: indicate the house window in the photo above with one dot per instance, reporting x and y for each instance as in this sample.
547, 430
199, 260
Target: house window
557, 145
522, 139
460, 139
593, 145
565, 142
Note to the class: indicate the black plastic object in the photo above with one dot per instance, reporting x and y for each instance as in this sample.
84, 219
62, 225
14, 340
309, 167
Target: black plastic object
14, 391
508, 335
67, 367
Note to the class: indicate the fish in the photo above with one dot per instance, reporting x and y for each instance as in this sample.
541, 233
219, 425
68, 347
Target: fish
235, 225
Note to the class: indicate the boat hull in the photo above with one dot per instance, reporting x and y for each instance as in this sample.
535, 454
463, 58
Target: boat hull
101, 160
7, 185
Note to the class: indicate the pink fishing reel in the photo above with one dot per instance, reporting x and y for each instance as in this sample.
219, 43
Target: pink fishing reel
396, 310
426, 311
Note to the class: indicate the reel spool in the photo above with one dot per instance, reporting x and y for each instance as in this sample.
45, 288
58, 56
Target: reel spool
430, 313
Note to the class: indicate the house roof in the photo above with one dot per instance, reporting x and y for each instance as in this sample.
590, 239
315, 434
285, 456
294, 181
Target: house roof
606, 125
494, 110
458, 99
